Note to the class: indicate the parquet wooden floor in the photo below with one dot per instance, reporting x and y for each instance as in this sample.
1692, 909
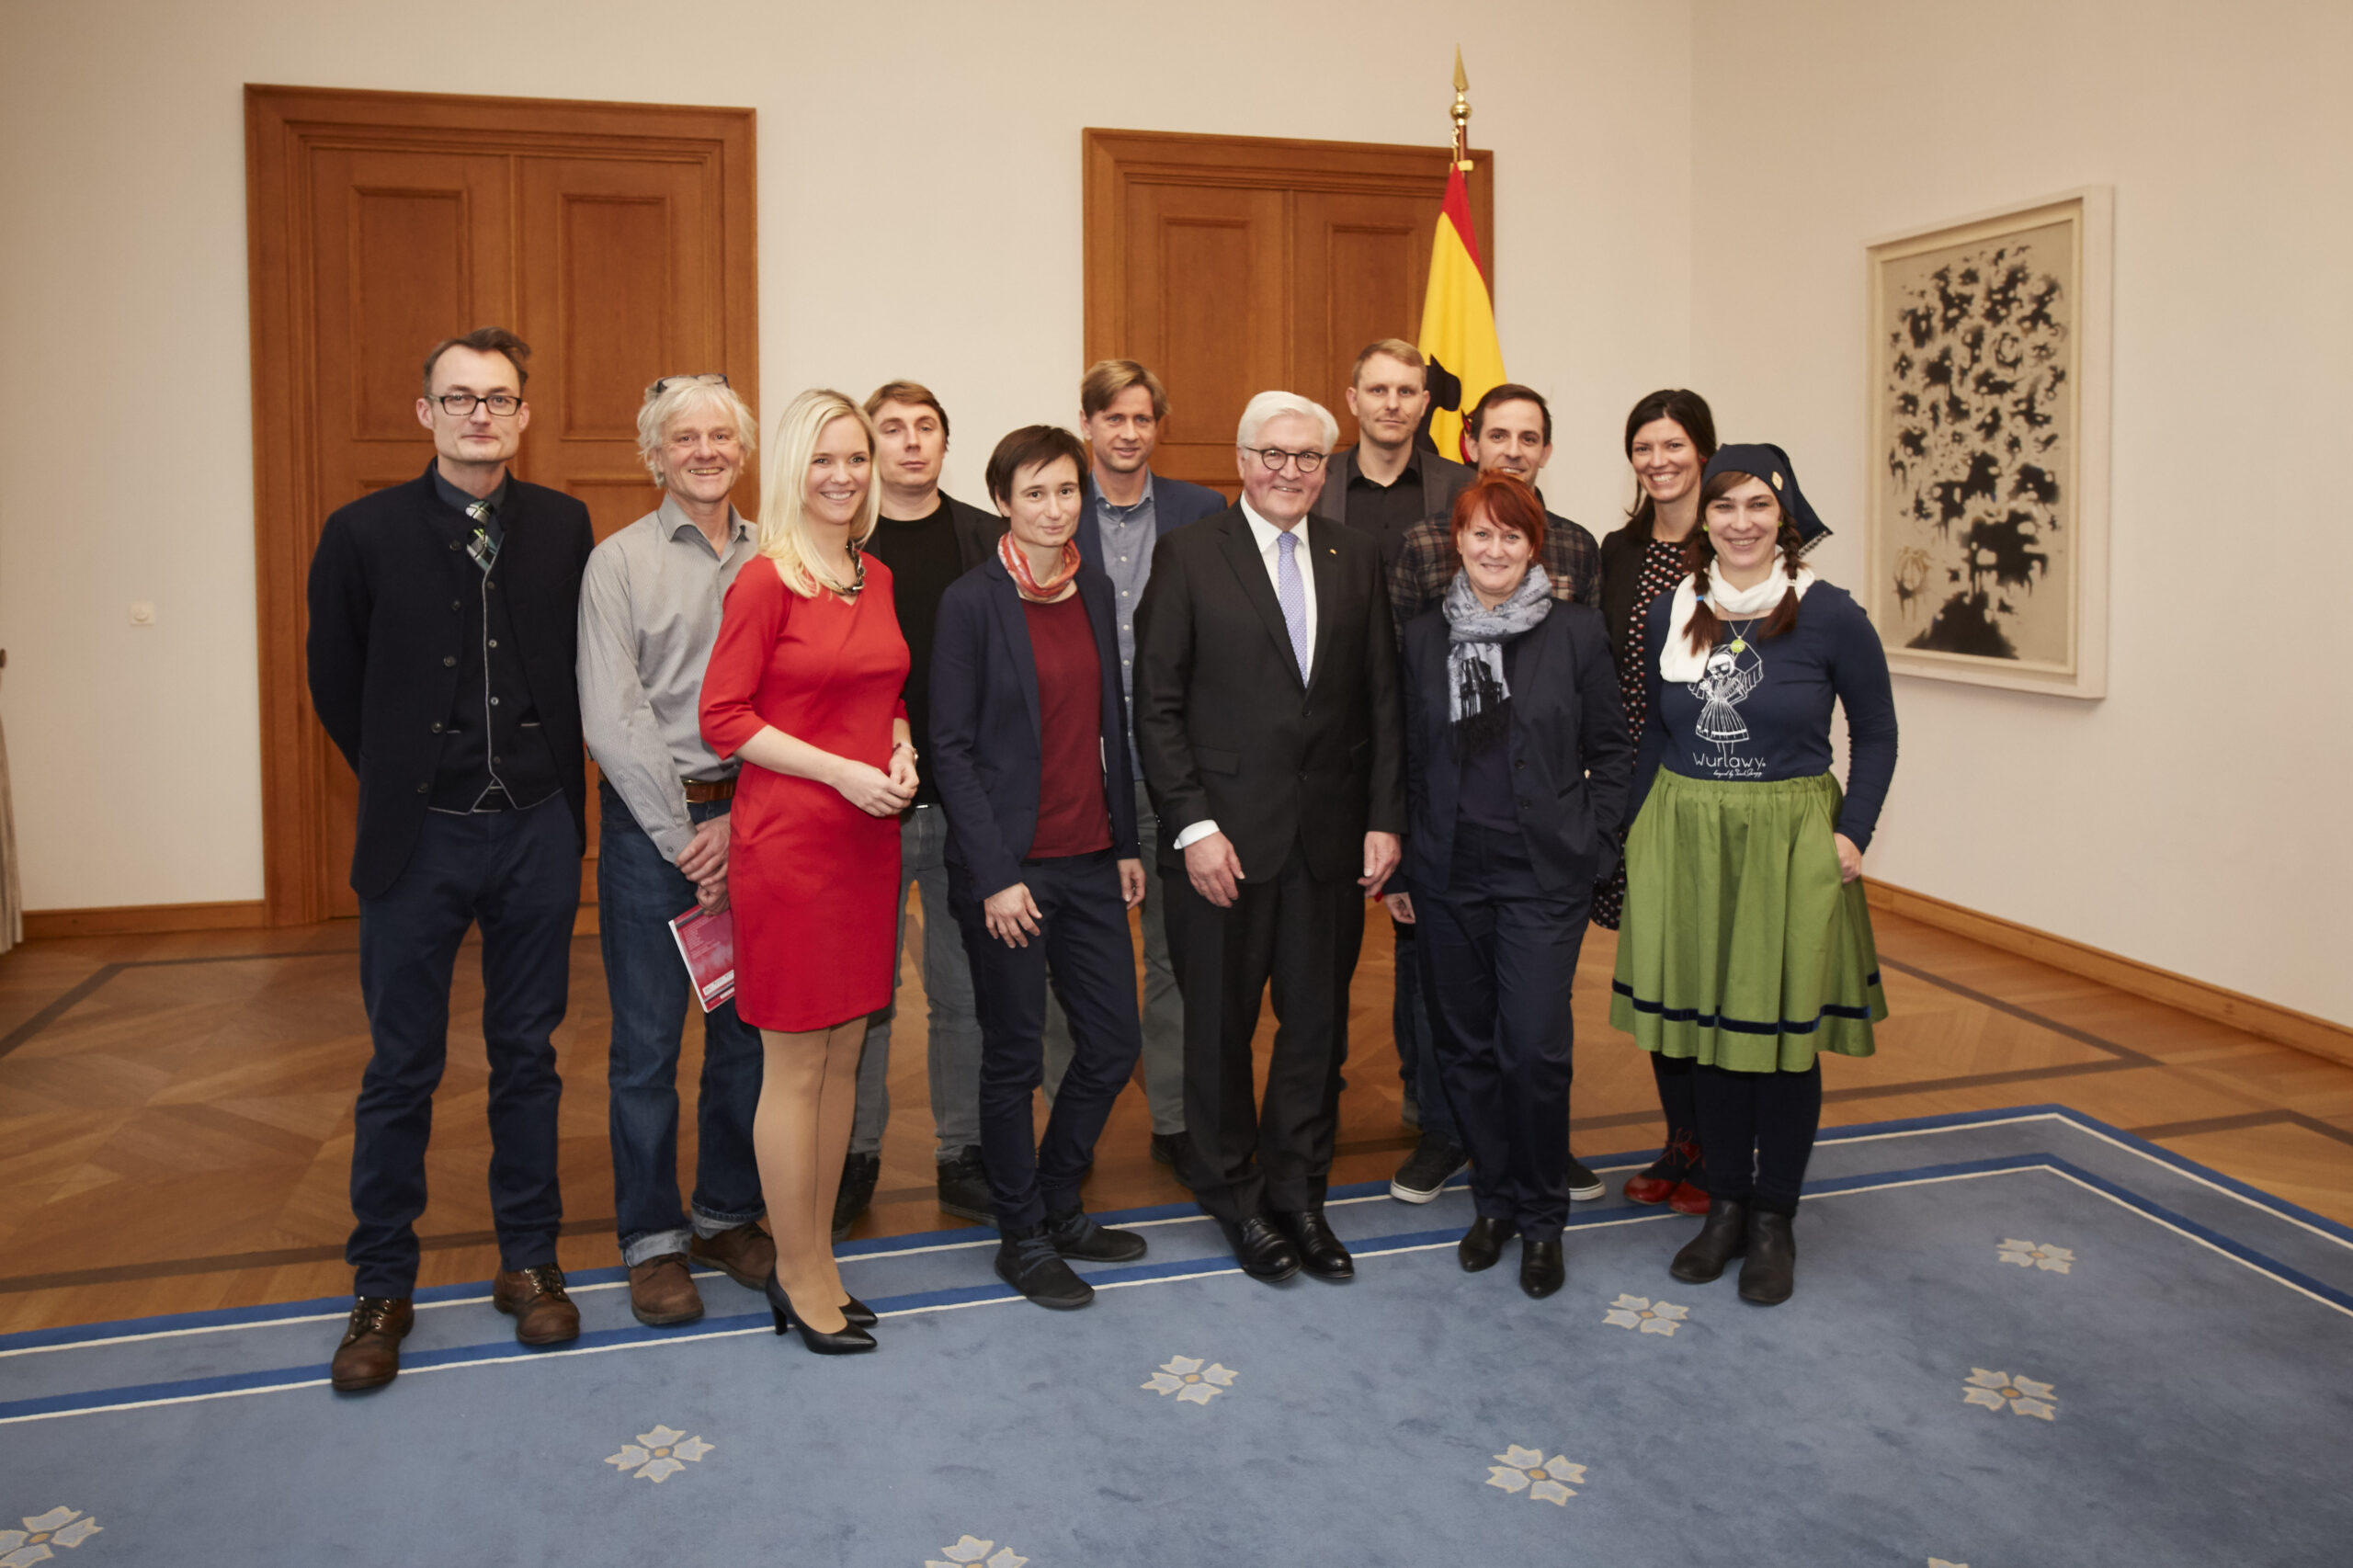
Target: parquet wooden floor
176, 1111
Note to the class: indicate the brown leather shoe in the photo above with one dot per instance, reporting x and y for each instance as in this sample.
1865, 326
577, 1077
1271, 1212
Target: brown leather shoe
746, 1255
662, 1292
543, 1314
369, 1355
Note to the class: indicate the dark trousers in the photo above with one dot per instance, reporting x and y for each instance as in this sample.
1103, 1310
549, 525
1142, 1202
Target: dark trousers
639, 892
1500, 951
1410, 1027
517, 874
1083, 934
1290, 929
1756, 1132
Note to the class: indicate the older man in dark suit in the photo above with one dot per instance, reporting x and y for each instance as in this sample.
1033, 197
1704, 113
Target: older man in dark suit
1267, 712
444, 622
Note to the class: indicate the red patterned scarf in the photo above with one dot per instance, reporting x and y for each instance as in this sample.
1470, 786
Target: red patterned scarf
1019, 564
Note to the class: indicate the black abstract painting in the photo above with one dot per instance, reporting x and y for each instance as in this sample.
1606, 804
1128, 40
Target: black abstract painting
1977, 424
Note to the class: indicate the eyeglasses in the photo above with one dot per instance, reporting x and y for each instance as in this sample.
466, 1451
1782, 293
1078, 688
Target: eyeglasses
1275, 456
463, 404
709, 378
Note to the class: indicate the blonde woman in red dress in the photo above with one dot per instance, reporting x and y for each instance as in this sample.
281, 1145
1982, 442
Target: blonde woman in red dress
804, 685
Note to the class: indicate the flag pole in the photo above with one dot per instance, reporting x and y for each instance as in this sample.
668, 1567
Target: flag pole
1461, 113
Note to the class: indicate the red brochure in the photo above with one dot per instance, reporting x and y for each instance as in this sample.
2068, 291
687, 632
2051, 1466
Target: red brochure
708, 944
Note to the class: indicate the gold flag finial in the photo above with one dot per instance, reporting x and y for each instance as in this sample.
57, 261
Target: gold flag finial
1462, 112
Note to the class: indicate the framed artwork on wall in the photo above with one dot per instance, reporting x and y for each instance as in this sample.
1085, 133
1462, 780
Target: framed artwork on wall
1988, 446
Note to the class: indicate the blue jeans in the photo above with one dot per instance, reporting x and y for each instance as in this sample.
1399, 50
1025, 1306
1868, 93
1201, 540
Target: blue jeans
955, 1026
638, 894
516, 873
1409, 1025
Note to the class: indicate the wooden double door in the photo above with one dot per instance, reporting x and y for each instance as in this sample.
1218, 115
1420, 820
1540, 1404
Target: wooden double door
1231, 264
617, 240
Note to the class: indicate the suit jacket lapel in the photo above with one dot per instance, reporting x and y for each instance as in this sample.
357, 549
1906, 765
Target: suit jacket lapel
1015, 627
1250, 569
1325, 563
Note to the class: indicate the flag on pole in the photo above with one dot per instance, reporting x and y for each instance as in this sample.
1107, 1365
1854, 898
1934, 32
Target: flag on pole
1458, 316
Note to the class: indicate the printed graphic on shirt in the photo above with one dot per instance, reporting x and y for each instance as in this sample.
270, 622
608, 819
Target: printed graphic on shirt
1733, 672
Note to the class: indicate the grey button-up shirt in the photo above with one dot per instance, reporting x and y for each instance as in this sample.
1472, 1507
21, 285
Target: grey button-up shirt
649, 613
1128, 534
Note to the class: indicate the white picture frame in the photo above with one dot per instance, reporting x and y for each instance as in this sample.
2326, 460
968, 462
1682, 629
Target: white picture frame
1987, 494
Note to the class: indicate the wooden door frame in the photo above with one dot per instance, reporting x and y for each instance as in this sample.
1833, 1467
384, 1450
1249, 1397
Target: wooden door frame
282, 124
1114, 159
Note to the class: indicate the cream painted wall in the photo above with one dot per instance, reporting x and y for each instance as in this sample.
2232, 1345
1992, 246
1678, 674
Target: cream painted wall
920, 204
2189, 820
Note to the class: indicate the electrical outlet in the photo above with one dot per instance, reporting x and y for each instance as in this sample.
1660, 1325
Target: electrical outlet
143, 614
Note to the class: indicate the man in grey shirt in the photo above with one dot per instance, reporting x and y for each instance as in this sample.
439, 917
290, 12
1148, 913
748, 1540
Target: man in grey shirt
649, 613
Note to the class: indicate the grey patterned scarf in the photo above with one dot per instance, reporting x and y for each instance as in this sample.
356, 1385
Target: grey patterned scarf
1475, 657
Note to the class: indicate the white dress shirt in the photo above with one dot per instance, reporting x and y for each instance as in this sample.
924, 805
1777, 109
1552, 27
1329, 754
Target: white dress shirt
1270, 552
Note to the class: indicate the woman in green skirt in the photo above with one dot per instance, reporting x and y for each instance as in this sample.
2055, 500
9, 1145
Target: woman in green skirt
1746, 944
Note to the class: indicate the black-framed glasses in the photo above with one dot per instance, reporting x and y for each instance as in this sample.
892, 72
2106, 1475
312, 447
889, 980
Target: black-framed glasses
709, 378
1275, 456
462, 405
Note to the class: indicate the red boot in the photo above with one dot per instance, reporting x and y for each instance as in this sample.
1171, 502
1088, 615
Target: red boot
1663, 1179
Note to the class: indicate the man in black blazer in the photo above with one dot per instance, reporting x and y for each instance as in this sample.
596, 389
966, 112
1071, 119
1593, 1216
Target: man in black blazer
1125, 510
1384, 484
443, 619
1267, 714
928, 538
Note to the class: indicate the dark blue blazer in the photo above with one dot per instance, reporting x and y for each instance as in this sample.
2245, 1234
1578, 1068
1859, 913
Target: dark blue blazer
1571, 761
382, 653
1175, 503
987, 744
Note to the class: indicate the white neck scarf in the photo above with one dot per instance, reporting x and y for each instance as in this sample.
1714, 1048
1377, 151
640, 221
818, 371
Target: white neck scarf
1678, 660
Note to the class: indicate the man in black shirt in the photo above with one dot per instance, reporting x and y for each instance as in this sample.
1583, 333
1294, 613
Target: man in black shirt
443, 619
928, 540
1383, 485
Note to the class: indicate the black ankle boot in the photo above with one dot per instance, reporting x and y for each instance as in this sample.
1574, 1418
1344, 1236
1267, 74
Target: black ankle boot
1723, 1237
1771, 1272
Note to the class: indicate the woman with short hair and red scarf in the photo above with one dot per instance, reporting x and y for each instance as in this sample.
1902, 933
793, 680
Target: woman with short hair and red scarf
1029, 745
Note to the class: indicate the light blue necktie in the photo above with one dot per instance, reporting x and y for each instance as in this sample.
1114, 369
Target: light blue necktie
1291, 594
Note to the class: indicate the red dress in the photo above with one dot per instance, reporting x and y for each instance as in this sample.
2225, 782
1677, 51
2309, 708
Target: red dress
814, 881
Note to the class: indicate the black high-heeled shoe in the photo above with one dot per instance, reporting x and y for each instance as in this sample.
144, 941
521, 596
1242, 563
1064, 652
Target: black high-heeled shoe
859, 1314
849, 1341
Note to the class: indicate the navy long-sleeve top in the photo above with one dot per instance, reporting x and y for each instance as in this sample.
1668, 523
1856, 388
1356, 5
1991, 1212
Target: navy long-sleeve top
1761, 711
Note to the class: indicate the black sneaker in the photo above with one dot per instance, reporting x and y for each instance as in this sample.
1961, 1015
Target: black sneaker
1583, 1186
859, 1173
1168, 1148
1027, 1260
1076, 1234
964, 1188
1433, 1161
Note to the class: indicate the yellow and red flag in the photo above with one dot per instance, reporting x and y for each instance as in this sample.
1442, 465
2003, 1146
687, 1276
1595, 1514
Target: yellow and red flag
1459, 316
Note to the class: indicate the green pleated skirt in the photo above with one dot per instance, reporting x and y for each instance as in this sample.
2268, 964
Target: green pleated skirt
1740, 947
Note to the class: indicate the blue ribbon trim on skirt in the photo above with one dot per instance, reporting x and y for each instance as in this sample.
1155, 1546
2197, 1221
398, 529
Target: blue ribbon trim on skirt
1743, 1026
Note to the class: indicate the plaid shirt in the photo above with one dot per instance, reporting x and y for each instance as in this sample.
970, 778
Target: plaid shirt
1428, 562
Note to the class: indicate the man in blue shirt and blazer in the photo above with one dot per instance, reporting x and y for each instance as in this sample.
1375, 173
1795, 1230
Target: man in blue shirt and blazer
1125, 510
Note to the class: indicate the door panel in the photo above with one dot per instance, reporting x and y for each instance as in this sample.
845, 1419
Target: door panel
1232, 265
615, 239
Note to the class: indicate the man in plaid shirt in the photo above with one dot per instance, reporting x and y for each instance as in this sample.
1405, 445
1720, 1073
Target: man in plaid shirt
1511, 432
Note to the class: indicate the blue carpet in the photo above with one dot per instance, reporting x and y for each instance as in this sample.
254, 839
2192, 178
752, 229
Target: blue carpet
2021, 1338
